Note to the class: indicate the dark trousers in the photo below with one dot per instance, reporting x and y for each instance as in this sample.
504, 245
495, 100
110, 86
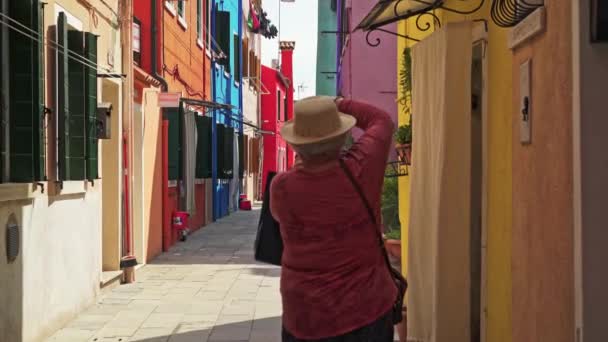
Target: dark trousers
379, 331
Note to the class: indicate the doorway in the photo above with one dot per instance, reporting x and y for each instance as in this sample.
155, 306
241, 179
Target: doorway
476, 206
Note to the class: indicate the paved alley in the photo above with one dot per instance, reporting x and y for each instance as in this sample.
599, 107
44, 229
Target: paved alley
208, 288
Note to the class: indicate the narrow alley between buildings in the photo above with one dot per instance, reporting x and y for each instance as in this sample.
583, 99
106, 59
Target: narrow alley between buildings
208, 288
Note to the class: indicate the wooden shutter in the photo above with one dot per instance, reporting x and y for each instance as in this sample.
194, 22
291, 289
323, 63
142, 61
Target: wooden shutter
26, 93
91, 108
237, 58
63, 107
245, 153
220, 151
241, 155
203, 147
245, 54
174, 143
222, 36
77, 104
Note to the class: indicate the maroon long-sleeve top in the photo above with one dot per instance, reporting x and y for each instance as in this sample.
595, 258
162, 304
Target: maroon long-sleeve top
334, 279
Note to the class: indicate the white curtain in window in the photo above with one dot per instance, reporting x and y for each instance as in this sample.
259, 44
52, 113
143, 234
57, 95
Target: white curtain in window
439, 231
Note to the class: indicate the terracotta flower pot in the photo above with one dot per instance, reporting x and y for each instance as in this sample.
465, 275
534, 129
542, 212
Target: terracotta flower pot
404, 152
393, 247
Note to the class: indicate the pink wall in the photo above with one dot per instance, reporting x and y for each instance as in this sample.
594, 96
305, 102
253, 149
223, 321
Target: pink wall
370, 73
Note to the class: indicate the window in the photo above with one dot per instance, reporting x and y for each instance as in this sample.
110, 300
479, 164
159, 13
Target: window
199, 20
181, 14
181, 9
22, 85
285, 108
170, 7
278, 105
76, 104
237, 58
222, 37
137, 41
207, 23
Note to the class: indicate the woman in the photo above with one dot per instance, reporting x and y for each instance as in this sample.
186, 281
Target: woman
334, 281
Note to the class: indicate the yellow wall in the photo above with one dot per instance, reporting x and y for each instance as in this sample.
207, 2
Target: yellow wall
498, 166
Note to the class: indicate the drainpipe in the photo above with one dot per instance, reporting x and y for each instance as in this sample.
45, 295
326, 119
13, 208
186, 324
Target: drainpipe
214, 156
128, 260
163, 83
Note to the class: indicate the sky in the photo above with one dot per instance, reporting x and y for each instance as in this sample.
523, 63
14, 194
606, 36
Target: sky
298, 23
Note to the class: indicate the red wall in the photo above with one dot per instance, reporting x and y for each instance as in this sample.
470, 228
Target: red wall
197, 220
270, 122
142, 10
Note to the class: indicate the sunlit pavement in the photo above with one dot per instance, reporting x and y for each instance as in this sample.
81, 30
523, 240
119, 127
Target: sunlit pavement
208, 288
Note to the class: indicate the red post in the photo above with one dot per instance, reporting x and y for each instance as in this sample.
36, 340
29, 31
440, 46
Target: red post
126, 197
165, 181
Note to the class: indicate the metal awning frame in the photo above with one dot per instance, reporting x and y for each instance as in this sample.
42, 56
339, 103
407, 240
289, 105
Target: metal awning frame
425, 18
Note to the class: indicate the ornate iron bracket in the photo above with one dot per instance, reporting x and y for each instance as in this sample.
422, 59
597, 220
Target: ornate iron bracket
422, 24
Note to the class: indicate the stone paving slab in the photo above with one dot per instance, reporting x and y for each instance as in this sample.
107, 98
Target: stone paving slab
207, 289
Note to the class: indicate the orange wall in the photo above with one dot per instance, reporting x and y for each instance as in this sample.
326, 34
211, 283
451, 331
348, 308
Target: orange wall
543, 294
182, 51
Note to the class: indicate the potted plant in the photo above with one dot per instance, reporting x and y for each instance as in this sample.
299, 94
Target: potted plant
392, 242
403, 143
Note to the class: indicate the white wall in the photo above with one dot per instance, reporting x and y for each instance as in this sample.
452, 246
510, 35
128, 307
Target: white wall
59, 265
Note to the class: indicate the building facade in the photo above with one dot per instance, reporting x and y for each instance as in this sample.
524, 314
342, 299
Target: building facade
274, 115
56, 171
227, 90
356, 79
252, 92
327, 48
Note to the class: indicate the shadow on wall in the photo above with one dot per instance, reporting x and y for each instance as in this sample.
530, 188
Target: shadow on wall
259, 330
11, 272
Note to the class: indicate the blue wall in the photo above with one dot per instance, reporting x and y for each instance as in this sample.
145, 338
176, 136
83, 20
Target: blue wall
227, 90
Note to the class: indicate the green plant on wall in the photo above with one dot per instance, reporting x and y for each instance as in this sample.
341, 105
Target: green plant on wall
404, 134
390, 205
405, 77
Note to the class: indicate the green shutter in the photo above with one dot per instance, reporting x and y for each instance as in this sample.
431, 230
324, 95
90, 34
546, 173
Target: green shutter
241, 156
203, 147
221, 174
174, 145
228, 151
222, 36
26, 95
63, 107
91, 108
77, 97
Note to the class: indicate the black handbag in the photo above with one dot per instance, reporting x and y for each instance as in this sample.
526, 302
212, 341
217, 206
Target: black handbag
398, 279
268, 242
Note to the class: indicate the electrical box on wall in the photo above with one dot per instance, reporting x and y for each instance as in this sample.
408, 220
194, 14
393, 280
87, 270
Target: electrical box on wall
599, 21
525, 103
104, 120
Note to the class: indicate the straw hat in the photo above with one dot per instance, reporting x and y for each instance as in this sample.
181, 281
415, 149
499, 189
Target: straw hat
316, 119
